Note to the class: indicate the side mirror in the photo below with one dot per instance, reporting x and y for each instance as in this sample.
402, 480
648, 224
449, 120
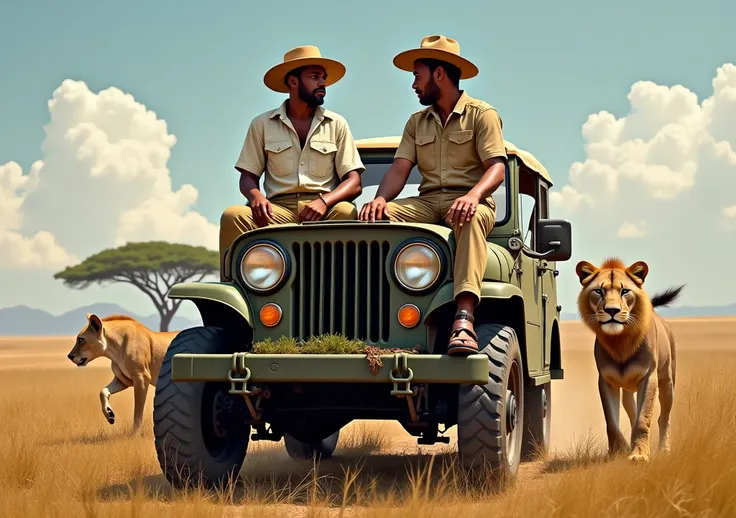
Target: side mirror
554, 238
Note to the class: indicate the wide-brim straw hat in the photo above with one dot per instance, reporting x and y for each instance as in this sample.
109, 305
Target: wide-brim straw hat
437, 47
303, 56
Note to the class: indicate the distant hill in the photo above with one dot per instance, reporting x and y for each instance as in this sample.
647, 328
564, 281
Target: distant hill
25, 321
681, 311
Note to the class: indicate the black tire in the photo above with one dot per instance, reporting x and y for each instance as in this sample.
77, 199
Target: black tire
538, 421
489, 422
320, 449
184, 420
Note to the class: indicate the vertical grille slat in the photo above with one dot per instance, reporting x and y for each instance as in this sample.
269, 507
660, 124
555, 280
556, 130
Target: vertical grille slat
381, 292
341, 288
332, 291
375, 284
295, 294
344, 287
386, 307
326, 288
314, 292
362, 292
370, 287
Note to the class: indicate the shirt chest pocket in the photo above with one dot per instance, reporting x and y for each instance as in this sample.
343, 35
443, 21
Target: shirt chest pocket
322, 158
461, 151
426, 160
280, 159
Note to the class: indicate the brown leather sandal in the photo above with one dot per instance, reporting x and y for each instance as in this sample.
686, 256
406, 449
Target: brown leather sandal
463, 346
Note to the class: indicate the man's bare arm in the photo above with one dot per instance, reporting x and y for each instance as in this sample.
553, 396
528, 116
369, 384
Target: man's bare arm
249, 185
464, 207
395, 179
259, 204
491, 179
347, 190
390, 187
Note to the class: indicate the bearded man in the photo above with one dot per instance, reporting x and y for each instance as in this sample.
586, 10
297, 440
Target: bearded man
458, 147
306, 153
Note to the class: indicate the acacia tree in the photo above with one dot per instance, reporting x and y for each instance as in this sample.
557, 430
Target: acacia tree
153, 267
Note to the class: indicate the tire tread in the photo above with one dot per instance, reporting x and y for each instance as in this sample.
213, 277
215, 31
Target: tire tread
480, 407
177, 433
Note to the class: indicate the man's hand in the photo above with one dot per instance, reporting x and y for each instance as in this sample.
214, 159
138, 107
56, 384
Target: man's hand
392, 183
314, 211
262, 210
462, 210
374, 209
259, 204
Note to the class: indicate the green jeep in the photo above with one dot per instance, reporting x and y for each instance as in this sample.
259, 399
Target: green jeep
388, 286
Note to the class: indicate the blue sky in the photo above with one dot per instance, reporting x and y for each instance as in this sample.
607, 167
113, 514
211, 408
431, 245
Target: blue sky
546, 66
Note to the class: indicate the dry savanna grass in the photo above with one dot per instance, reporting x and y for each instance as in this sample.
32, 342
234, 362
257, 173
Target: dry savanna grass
59, 457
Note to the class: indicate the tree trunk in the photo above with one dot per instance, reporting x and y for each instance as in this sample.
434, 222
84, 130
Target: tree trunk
166, 320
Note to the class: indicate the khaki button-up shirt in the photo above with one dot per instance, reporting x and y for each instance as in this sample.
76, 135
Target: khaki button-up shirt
452, 155
272, 146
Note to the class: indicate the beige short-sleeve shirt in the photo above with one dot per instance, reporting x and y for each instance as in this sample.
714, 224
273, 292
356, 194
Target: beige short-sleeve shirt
452, 156
272, 147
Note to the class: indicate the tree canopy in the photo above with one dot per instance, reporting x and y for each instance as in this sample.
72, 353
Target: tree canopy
153, 267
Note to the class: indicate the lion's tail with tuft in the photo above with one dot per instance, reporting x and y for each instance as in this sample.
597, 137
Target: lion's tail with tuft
667, 297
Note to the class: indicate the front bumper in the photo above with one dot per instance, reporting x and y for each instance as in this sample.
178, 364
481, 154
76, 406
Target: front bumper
332, 368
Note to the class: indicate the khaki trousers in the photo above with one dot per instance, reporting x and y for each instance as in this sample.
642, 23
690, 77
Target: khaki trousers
470, 238
238, 219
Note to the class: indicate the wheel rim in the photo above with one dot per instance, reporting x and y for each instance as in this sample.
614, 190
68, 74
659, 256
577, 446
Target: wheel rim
545, 420
218, 415
216, 405
513, 430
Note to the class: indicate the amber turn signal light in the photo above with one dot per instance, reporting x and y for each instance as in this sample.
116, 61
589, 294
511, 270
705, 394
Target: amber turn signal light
409, 315
270, 314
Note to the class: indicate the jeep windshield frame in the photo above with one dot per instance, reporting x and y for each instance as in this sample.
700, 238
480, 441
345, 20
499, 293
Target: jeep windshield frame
377, 163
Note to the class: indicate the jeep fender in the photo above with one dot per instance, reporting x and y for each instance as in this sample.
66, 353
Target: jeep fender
488, 290
220, 304
500, 303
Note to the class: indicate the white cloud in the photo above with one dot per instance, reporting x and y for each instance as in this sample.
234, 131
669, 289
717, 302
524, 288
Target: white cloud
103, 181
14, 186
729, 218
659, 184
39, 250
632, 230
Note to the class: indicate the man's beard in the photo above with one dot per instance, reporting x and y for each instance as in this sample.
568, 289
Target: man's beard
430, 95
309, 97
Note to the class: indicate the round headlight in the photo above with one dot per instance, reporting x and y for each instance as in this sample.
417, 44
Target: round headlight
417, 266
263, 267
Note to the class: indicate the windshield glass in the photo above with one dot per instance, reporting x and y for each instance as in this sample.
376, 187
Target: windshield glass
375, 169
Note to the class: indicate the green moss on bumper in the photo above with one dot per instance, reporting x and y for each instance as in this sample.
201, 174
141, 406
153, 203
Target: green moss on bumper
324, 344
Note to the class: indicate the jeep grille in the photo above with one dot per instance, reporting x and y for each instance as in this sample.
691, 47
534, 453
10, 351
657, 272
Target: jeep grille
341, 288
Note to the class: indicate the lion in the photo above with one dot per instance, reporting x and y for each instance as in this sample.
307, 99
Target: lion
634, 350
135, 354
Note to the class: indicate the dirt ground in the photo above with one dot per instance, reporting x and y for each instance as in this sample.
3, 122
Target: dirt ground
59, 457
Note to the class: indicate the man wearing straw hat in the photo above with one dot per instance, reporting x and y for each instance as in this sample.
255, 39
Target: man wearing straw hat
306, 153
458, 147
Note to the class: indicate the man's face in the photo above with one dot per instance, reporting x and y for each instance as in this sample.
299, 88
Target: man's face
311, 88
424, 85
